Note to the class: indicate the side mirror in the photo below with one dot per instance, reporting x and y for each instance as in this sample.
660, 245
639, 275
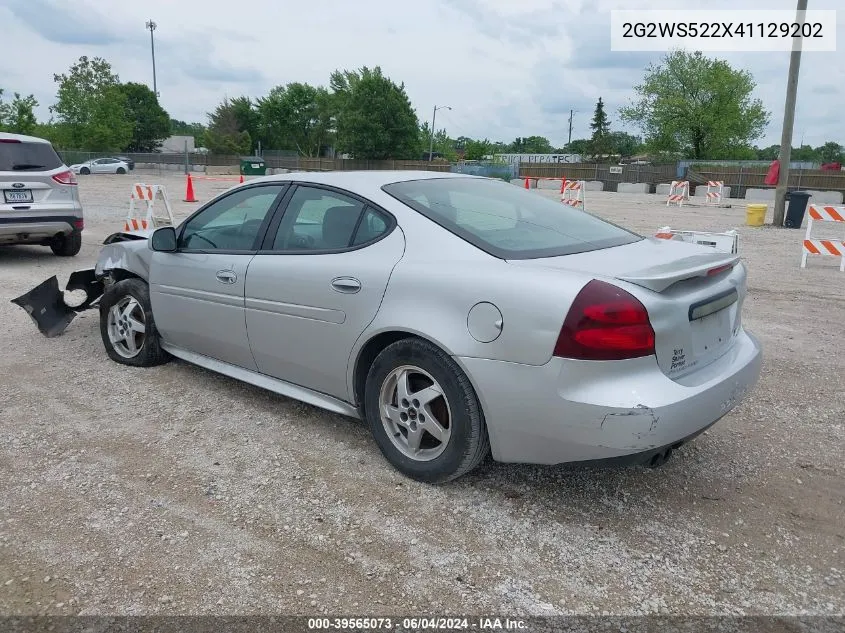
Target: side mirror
163, 240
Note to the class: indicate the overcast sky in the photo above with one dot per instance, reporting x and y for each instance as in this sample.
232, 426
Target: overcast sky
507, 68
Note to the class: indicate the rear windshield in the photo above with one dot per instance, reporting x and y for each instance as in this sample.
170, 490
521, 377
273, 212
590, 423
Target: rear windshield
508, 221
28, 157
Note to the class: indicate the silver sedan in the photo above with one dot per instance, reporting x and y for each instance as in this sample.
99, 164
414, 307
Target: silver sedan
458, 316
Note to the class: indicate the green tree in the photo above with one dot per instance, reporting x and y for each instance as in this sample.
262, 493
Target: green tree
297, 116
18, 116
531, 145
625, 144
768, 153
375, 119
579, 146
804, 153
151, 122
182, 128
247, 117
443, 145
224, 134
477, 150
91, 107
698, 106
831, 152
600, 141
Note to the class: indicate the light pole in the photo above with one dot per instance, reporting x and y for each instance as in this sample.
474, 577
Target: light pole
433, 117
788, 121
152, 27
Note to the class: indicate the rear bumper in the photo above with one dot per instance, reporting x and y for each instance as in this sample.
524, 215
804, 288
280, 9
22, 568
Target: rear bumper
35, 228
567, 411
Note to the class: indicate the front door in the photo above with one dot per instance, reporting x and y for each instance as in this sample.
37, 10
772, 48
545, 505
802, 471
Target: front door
197, 293
316, 285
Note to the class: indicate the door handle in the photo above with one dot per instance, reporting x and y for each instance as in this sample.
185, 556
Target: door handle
349, 285
226, 276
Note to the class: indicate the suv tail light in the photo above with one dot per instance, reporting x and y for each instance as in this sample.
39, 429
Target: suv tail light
79, 224
605, 323
65, 178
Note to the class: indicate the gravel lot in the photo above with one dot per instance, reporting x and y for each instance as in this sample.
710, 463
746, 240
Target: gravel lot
174, 490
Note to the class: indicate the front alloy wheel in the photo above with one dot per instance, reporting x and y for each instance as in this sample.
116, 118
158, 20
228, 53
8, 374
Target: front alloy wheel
127, 327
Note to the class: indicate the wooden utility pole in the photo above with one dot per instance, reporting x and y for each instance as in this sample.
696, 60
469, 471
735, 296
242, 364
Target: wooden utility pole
788, 121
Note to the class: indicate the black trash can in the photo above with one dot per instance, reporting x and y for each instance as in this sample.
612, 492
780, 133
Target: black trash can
796, 210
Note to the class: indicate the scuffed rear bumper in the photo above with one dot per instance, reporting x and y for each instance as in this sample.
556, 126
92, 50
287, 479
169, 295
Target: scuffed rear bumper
567, 411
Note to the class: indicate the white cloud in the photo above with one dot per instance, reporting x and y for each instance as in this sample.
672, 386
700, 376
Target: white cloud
506, 68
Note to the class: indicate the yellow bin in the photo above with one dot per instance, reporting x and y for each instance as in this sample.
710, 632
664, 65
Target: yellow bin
755, 214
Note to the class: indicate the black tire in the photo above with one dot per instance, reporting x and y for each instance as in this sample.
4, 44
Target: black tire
149, 352
67, 245
468, 444
84, 171
121, 170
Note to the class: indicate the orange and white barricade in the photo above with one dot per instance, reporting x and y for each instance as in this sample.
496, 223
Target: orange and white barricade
727, 242
143, 214
678, 193
814, 245
572, 193
714, 192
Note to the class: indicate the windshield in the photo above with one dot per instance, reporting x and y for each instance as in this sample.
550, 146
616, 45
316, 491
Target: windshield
507, 221
28, 157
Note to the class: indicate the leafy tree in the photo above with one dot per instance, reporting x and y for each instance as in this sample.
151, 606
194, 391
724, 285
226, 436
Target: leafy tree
625, 144
600, 144
375, 119
804, 153
579, 146
247, 117
531, 145
768, 153
182, 128
442, 145
224, 134
18, 116
297, 116
477, 150
151, 122
92, 107
831, 152
696, 105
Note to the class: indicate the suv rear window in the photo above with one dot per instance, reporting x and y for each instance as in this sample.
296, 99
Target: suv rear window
506, 221
28, 157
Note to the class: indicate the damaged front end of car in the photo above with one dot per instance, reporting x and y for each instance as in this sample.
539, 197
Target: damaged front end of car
48, 306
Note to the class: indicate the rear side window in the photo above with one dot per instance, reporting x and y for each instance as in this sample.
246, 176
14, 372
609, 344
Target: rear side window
507, 221
28, 157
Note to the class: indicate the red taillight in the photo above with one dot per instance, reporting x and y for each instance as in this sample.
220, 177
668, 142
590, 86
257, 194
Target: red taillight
79, 224
65, 178
605, 323
720, 269
9, 140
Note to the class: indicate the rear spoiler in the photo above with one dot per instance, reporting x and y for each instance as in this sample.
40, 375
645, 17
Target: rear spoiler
659, 278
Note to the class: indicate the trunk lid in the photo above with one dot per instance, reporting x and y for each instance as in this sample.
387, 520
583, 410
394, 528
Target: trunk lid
693, 295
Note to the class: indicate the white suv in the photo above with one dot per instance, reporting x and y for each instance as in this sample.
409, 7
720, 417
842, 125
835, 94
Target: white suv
39, 201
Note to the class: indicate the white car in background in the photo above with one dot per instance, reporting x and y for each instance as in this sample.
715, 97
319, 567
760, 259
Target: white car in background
101, 166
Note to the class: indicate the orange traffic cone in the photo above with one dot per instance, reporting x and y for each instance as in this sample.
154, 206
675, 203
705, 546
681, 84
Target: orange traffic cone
526, 184
242, 179
189, 191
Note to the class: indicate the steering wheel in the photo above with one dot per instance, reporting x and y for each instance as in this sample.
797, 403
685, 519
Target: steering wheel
303, 241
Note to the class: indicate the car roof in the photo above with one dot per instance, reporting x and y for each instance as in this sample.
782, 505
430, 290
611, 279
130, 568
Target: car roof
22, 138
357, 179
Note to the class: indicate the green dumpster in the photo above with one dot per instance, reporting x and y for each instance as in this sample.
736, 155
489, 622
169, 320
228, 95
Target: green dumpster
253, 166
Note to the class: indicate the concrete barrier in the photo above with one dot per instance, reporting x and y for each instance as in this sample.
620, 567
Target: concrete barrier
825, 197
763, 195
549, 184
663, 189
594, 185
701, 190
631, 187
214, 170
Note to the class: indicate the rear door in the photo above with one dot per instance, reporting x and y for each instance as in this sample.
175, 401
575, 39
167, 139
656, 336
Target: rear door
197, 293
316, 284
